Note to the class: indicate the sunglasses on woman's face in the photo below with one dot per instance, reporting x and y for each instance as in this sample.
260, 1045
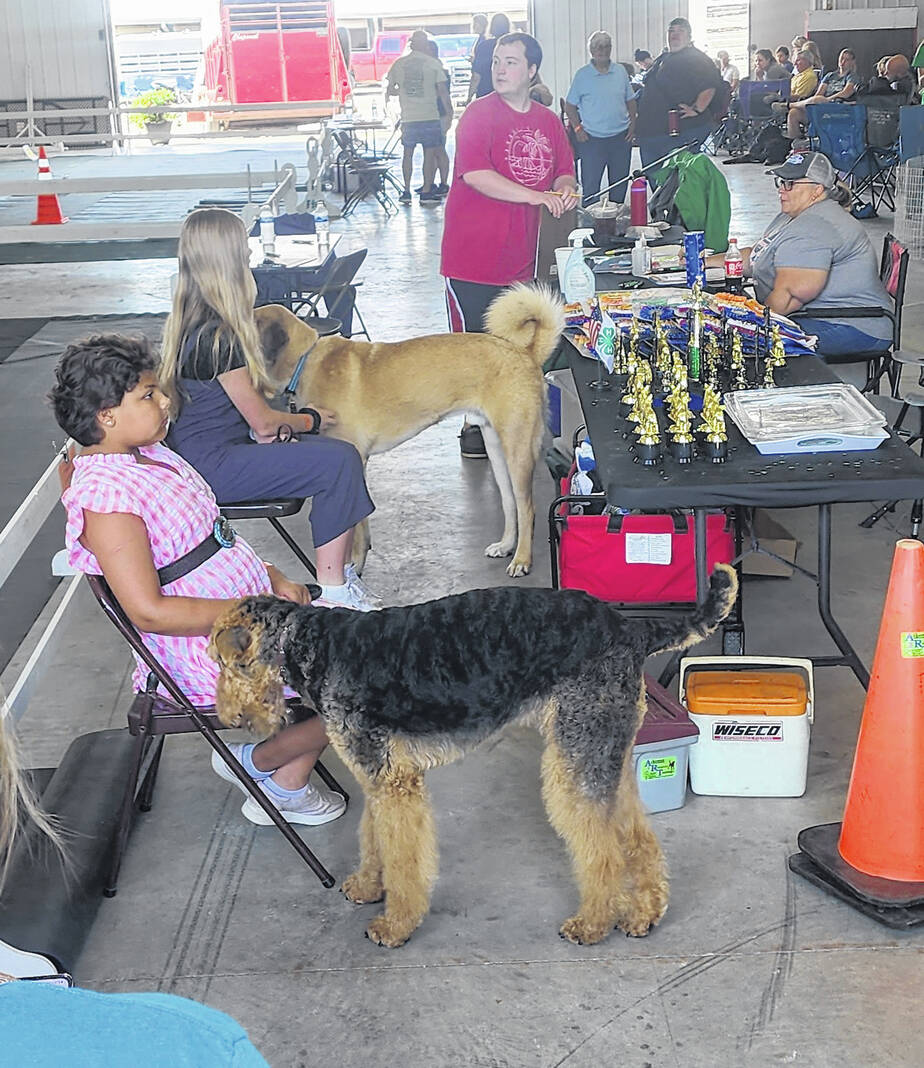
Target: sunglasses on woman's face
788, 183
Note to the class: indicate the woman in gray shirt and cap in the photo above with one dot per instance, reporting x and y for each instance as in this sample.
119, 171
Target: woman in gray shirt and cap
815, 255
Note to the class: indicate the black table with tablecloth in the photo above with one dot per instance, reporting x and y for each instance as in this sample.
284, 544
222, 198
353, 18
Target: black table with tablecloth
891, 471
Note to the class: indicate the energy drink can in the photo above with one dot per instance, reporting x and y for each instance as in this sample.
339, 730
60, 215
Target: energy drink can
694, 254
673, 122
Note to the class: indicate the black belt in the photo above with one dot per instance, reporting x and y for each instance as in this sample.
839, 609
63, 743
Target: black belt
221, 536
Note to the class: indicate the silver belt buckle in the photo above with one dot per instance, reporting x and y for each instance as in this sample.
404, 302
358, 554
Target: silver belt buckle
223, 532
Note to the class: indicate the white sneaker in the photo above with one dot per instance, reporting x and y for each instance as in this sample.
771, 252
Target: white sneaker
349, 595
310, 807
353, 580
222, 770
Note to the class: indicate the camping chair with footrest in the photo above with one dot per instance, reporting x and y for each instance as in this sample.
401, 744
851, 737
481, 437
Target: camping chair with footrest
152, 716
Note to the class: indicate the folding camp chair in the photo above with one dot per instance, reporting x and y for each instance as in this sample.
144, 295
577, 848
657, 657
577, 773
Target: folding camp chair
860, 140
893, 270
153, 716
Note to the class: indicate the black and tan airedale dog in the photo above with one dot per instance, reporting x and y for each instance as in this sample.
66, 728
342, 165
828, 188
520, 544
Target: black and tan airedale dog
411, 688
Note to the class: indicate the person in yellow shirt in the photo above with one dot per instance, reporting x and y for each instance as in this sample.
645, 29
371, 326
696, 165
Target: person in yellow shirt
802, 85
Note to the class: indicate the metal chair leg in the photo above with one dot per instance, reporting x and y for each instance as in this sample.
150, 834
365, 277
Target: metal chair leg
142, 743
294, 546
917, 509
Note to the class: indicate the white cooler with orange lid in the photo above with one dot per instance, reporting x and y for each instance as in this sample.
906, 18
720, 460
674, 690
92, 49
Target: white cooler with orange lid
754, 715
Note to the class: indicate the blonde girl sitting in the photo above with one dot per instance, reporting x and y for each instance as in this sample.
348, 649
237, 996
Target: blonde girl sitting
213, 373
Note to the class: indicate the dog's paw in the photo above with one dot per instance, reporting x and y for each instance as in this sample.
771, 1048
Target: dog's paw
518, 568
499, 548
640, 923
582, 933
362, 890
384, 932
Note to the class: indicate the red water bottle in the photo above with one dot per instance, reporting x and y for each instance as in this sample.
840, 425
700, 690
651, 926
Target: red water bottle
638, 201
734, 268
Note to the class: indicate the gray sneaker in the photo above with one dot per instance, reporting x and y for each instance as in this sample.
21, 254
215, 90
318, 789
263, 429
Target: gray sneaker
311, 807
357, 585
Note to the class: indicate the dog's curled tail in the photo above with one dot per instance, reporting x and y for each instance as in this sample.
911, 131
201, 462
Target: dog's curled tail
687, 630
530, 317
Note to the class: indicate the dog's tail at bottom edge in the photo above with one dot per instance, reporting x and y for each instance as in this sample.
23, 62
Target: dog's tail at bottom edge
681, 633
530, 317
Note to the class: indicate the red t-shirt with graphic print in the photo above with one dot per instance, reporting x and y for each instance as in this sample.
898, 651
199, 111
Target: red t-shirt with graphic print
493, 241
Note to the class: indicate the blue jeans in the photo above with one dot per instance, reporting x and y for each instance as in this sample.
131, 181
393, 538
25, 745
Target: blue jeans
612, 154
655, 148
838, 339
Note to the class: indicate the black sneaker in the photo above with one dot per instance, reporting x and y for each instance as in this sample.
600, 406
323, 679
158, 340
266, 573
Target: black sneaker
405, 197
432, 196
442, 189
471, 443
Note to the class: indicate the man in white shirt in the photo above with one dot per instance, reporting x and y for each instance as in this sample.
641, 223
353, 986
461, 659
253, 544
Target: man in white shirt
728, 71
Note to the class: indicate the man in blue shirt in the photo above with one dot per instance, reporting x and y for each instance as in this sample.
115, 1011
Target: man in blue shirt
601, 109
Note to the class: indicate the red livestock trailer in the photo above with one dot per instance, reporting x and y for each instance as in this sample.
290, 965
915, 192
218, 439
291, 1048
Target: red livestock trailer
286, 51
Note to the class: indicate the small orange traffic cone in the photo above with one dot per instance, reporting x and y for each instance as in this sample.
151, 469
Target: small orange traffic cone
875, 858
48, 210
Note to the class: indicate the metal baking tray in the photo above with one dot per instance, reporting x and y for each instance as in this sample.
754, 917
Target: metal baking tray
825, 418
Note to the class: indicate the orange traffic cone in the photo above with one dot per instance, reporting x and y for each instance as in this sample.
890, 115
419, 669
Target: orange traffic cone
48, 210
875, 858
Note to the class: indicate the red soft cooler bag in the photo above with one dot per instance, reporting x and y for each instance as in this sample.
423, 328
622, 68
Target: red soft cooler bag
638, 559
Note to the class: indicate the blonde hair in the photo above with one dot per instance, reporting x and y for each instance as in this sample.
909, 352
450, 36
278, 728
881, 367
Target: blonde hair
214, 283
18, 806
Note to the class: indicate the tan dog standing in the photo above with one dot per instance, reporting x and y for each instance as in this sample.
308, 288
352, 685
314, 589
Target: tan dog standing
387, 392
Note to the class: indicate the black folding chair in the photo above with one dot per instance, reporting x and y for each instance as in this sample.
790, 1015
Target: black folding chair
338, 291
152, 716
273, 511
372, 176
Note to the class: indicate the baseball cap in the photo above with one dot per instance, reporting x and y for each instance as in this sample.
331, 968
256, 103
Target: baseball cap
811, 165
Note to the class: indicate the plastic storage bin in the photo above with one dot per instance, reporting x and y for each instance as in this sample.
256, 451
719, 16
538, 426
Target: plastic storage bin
661, 751
754, 716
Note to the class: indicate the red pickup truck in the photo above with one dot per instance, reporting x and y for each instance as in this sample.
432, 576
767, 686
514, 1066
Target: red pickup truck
372, 64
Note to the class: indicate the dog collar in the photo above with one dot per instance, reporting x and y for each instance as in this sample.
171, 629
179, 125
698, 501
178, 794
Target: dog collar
292, 388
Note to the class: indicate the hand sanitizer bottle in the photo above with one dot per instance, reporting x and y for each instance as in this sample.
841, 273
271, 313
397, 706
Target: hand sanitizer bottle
579, 284
641, 258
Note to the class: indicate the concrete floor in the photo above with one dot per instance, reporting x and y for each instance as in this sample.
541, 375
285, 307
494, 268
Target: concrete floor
750, 966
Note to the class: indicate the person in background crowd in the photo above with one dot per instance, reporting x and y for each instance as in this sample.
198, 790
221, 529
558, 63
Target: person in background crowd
480, 84
420, 82
479, 27
446, 117
728, 70
817, 62
841, 84
782, 57
681, 80
802, 85
643, 62
797, 43
766, 68
917, 63
513, 160
601, 109
893, 77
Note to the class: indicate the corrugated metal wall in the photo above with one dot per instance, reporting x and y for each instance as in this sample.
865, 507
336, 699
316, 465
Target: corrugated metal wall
65, 42
563, 26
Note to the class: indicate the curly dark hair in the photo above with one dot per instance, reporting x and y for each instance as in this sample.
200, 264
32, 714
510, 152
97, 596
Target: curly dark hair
94, 374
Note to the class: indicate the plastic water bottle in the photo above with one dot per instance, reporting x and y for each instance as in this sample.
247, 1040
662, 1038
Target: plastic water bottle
375, 111
734, 268
638, 201
267, 232
641, 258
322, 227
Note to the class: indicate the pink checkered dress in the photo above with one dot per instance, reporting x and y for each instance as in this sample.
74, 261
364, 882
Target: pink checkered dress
178, 509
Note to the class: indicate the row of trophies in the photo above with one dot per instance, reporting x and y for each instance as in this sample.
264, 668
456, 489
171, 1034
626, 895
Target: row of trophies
664, 372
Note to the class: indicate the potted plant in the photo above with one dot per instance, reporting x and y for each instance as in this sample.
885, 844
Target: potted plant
160, 123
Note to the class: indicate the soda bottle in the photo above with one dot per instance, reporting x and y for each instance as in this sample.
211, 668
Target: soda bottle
734, 268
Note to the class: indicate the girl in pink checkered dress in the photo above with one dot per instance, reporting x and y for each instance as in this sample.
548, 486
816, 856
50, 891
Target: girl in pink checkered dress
133, 508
